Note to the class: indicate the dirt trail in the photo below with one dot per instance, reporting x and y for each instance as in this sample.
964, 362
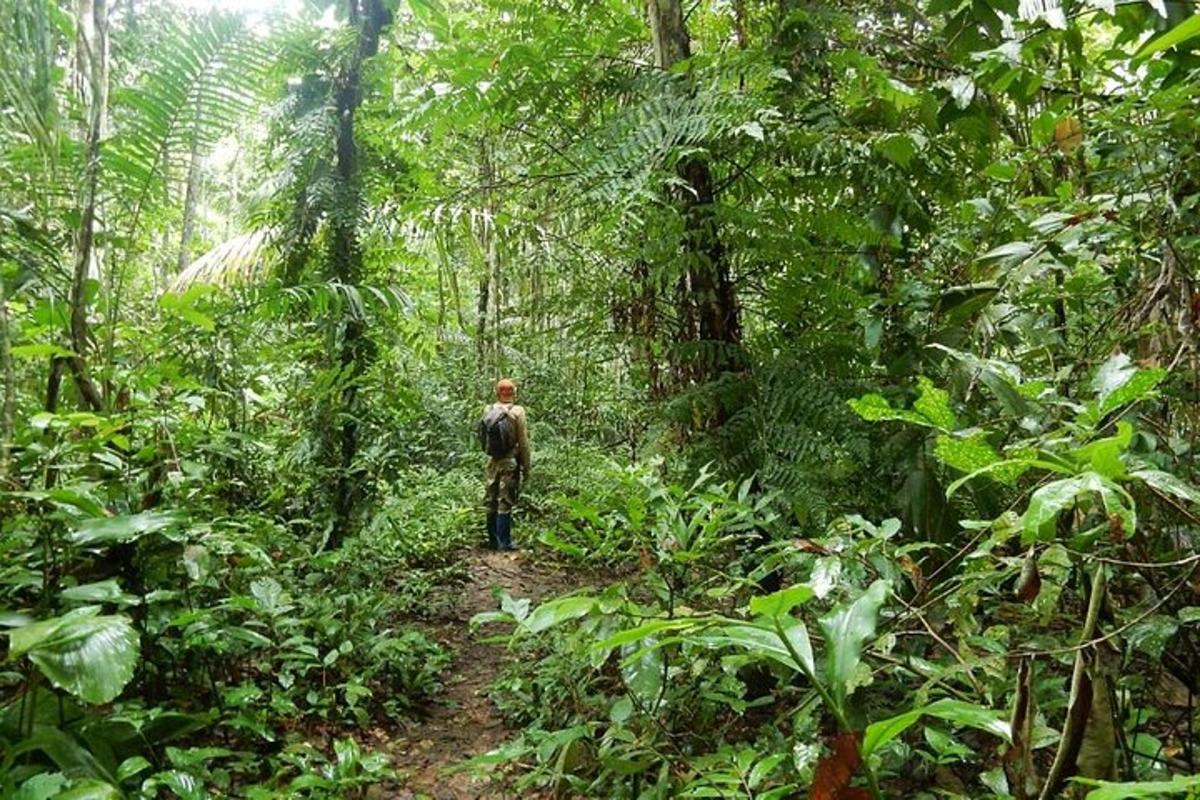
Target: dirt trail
462, 723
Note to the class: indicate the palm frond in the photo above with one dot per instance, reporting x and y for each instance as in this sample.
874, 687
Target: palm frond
243, 259
204, 82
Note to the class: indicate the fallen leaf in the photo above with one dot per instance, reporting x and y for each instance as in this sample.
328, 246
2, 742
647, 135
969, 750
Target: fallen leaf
831, 779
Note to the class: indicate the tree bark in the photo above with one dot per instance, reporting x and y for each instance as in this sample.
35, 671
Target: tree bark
368, 17
490, 295
92, 55
190, 197
708, 301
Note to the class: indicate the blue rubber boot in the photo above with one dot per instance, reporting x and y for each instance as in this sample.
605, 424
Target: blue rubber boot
504, 531
493, 539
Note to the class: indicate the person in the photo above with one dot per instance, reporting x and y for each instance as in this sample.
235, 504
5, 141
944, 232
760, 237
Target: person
508, 463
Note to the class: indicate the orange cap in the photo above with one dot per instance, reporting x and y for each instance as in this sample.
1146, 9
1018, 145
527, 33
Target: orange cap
505, 388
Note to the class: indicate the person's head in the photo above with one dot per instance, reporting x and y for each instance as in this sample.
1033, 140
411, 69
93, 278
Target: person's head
506, 390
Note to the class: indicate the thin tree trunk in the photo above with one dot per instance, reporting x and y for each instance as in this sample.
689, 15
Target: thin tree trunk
92, 53
368, 17
6, 372
189, 206
487, 287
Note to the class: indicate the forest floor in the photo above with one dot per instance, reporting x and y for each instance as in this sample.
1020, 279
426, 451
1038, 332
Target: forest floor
462, 722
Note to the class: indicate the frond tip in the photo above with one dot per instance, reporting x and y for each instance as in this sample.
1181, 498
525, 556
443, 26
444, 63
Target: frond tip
243, 259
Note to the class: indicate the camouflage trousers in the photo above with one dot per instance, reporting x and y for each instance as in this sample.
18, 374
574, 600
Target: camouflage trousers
503, 481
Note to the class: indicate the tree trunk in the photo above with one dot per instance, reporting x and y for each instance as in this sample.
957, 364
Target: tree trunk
92, 54
6, 374
708, 302
189, 206
490, 297
368, 17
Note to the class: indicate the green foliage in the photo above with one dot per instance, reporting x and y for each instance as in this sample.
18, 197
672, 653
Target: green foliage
976, 220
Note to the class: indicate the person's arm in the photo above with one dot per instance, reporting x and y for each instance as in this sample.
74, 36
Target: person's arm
523, 443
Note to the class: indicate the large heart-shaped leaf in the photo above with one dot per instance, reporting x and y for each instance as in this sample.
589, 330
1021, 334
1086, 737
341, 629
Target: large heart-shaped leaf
89, 655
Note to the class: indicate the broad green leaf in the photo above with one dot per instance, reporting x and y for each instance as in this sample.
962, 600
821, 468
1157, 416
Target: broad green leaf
1167, 483
641, 632
1138, 387
88, 655
44, 786
64, 496
108, 591
931, 409
846, 631
1104, 455
518, 608
875, 408
132, 766
1105, 790
796, 636
39, 351
1050, 500
269, 594
965, 454
553, 612
65, 751
1188, 29
1118, 382
105, 530
763, 641
1013, 251
954, 711
781, 602
934, 405
642, 670
1009, 469
91, 789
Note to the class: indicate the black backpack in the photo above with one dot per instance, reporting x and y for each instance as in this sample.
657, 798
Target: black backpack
498, 432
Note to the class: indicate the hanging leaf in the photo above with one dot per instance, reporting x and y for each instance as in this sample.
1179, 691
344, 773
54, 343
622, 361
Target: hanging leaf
1167, 483
1019, 765
1098, 749
88, 655
1029, 583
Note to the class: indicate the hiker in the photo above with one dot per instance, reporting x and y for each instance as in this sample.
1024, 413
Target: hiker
504, 435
